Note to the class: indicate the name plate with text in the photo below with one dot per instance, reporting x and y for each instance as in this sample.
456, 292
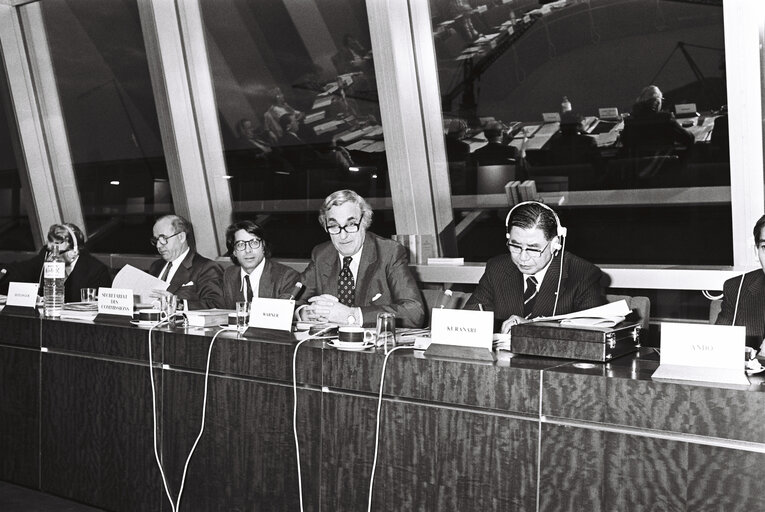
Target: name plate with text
272, 314
463, 328
115, 301
22, 294
608, 113
551, 117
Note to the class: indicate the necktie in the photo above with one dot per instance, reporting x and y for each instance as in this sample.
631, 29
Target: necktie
167, 271
248, 292
529, 296
346, 289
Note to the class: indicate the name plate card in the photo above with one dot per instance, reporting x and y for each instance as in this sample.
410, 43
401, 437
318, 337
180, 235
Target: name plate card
685, 109
608, 113
115, 301
22, 294
272, 314
551, 117
462, 328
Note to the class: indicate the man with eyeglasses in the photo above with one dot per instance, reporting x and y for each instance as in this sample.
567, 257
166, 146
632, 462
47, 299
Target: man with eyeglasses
357, 274
254, 274
529, 282
192, 277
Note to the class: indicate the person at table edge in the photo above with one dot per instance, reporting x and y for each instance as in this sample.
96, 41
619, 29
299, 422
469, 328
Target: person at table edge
254, 274
523, 284
357, 274
191, 276
82, 269
744, 296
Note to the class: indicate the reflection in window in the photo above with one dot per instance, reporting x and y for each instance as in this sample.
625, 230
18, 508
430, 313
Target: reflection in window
104, 85
298, 110
604, 105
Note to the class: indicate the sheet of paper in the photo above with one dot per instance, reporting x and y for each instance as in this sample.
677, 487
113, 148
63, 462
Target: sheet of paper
139, 281
618, 308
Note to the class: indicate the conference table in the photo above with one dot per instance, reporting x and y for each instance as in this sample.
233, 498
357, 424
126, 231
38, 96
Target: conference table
518, 433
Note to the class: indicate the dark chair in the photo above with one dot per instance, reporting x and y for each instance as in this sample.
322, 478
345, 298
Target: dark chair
643, 172
641, 306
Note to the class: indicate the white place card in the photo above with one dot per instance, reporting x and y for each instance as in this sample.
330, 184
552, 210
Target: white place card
22, 294
272, 314
115, 301
608, 113
685, 109
551, 117
701, 352
464, 328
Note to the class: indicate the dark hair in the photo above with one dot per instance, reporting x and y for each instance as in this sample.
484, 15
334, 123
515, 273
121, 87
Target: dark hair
758, 229
492, 131
343, 196
252, 228
534, 215
180, 224
59, 233
285, 121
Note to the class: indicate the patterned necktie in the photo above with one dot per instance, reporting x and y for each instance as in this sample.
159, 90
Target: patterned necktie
248, 292
346, 289
167, 271
529, 296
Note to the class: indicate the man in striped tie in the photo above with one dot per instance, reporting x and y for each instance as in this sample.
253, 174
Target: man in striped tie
536, 279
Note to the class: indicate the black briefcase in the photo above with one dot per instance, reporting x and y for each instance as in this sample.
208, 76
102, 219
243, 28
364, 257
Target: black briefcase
587, 343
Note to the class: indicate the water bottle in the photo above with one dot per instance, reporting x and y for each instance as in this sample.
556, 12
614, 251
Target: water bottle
54, 274
565, 105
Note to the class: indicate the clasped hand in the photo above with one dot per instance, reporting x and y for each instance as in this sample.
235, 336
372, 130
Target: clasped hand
513, 320
326, 308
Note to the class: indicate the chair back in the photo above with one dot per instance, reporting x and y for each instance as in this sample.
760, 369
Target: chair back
640, 305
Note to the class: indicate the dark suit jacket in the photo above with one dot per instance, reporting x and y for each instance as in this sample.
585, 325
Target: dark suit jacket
198, 280
501, 288
653, 133
751, 306
383, 270
89, 272
572, 147
495, 153
276, 282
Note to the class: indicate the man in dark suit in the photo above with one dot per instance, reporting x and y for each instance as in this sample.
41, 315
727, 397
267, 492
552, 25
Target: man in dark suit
192, 277
524, 284
744, 297
253, 274
495, 153
81, 268
357, 274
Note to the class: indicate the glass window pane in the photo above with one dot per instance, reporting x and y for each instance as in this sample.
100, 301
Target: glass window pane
102, 74
299, 113
15, 230
558, 94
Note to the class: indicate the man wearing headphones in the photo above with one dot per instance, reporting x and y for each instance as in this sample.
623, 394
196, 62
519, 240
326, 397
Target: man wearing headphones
537, 278
744, 296
82, 269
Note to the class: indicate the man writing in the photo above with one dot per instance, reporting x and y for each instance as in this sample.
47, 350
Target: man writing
357, 274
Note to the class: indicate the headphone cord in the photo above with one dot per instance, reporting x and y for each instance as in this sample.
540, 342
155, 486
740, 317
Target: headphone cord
560, 275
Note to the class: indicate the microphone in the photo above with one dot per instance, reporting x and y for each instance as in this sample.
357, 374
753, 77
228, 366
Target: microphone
445, 298
296, 290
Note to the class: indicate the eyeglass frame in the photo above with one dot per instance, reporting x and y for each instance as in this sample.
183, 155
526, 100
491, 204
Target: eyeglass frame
355, 225
531, 252
153, 240
252, 243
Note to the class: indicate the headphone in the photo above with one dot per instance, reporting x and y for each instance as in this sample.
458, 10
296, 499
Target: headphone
75, 248
556, 246
560, 231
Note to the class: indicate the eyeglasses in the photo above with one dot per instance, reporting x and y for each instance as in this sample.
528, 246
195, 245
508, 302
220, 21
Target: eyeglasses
348, 228
241, 245
162, 239
532, 252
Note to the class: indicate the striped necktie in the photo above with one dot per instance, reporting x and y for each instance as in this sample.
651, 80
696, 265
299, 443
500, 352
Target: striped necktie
529, 296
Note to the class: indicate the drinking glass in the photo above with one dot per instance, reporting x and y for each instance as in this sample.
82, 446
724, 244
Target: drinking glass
386, 330
242, 316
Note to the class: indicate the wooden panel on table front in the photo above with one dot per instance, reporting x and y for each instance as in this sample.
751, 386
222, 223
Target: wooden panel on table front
96, 438
723, 479
245, 459
19, 330
19, 416
430, 458
728, 413
116, 341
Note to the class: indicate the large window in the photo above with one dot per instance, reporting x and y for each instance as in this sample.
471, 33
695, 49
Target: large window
101, 71
299, 115
15, 230
558, 94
